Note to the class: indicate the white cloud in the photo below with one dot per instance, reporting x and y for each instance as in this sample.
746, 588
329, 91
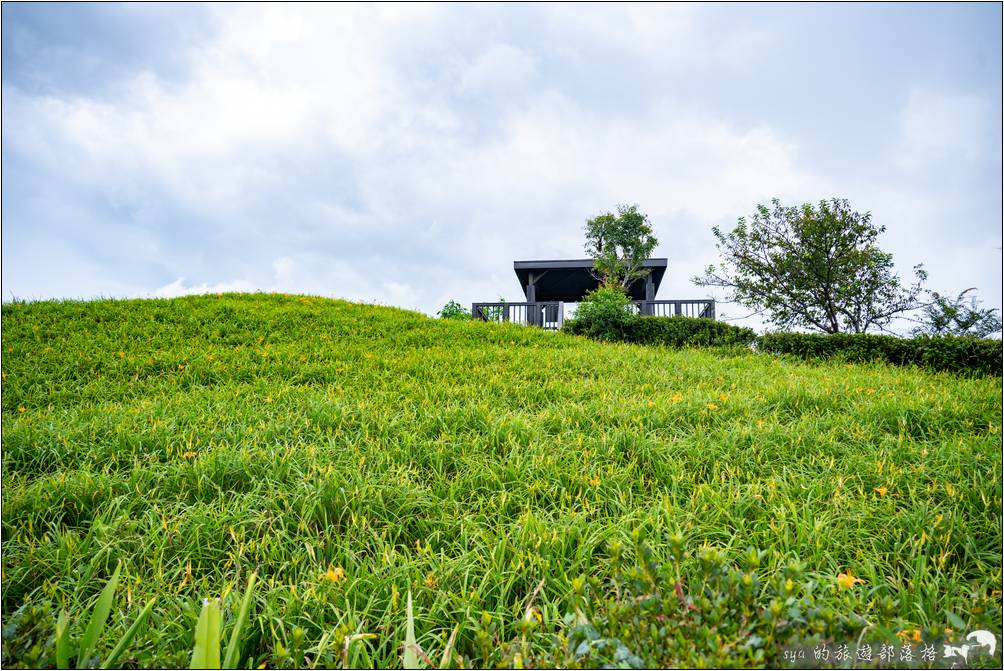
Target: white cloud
499, 69
179, 288
937, 126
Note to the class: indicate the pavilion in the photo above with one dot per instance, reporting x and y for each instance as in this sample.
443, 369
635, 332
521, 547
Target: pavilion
548, 285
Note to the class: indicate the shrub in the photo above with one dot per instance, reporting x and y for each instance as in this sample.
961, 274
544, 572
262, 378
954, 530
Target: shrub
606, 314
689, 331
603, 323
948, 353
454, 310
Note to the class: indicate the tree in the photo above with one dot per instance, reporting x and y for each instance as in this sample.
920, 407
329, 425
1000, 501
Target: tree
817, 267
454, 310
619, 245
951, 316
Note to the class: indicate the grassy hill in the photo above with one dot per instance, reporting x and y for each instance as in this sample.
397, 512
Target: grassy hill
350, 453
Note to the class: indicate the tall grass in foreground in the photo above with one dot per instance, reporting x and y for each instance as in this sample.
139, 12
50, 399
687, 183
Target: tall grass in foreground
349, 455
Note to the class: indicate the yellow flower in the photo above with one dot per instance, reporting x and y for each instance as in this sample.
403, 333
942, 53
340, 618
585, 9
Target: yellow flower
651, 404
723, 397
336, 574
21, 408
712, 406
594, 482
431, 582
910, 634
881, 490
677, 397
189, 455
847, 580
760, 423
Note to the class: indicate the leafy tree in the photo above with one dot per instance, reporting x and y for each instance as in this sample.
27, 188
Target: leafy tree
619, 245
812, 266
945, 315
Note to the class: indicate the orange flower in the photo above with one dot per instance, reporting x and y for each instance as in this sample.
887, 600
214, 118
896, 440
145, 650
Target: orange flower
881, 490
712, 406
847, 580
431, 582
723, 397
336, 574
594, 482
677, 397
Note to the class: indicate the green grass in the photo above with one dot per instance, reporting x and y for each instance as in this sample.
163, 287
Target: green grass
350, 453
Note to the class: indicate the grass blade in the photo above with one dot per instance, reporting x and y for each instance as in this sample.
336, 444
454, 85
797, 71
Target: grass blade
410, 656
444, 663
63, 641
232, 656
98, 619
128, 636
206, 653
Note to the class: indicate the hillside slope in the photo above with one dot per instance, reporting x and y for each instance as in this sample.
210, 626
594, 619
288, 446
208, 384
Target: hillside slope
348, 453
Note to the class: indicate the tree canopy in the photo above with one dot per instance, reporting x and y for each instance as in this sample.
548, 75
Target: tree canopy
945, 315
812, 266
619, 245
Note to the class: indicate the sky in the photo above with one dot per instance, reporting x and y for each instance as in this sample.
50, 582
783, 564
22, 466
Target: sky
408, 154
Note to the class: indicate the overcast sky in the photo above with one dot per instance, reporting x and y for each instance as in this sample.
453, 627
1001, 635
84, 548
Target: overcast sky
409, 154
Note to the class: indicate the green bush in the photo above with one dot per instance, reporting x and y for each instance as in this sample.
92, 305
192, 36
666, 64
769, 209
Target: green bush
454, 310
606, 314
948, 353
689, 331
603, 321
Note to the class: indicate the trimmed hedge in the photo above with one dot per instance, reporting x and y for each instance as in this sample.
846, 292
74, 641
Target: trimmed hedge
949, 353
674, 332
689, 331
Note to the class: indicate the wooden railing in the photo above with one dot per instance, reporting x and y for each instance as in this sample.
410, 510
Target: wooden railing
704, 307
548, 315
551, 314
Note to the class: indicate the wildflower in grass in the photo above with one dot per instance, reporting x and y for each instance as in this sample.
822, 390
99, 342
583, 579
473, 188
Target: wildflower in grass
181, 366
431, 582
189, 455
677, 397
847, 580
723, 397
336, 574
760, 423
651, 404
881, 490
909, 634
21, 408
712, 406
594, 482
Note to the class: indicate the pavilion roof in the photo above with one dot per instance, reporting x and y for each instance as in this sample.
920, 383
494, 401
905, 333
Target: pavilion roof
569, 280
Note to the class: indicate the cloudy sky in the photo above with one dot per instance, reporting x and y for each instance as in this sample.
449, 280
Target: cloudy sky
408, 154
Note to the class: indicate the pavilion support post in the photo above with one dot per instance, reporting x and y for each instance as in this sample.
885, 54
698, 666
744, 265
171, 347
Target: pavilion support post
531, 298
649, 295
